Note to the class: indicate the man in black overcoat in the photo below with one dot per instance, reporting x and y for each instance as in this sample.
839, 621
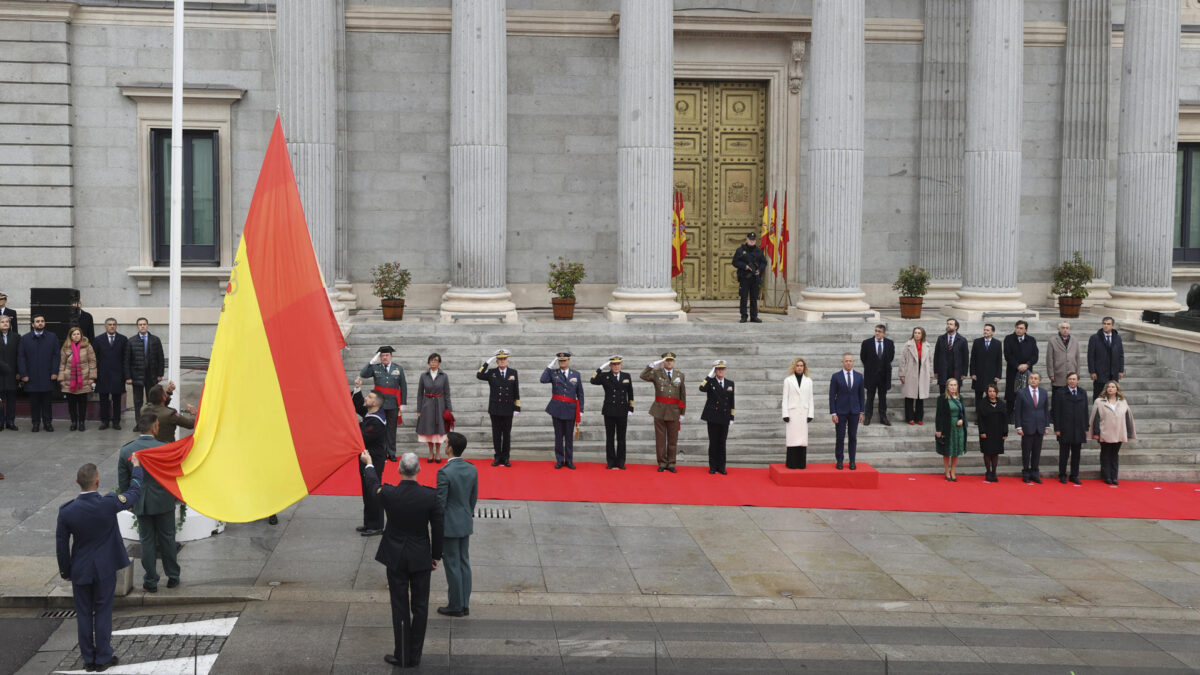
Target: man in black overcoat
877, 354
9, 344
143, 363
1069, 414
951, 358
987, 363
110, 380
751, 265
86, 324
1020, 354
1105, 357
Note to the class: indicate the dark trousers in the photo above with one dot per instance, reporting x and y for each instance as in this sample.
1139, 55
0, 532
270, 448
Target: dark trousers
1071, 451
39, 408
797, 457
110, 407
846, 423
8, 406
564, 440
748, 291
456, 558
666, 441
614, 439
1109, 458
372, 506
77, 407
141, 393
93, 618
157, 534
1031, 455
880, 387
393, 419
1099, 385
717, 433
914, 410
410, 612
501, 437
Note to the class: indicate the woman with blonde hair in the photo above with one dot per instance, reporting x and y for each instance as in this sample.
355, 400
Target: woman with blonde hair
1112, 424
951, 433
77, 374
797, 412
916, 376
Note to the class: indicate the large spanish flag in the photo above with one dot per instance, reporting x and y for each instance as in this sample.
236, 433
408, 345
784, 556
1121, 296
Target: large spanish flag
275, 416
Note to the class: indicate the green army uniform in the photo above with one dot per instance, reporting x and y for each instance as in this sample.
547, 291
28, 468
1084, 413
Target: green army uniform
155, 511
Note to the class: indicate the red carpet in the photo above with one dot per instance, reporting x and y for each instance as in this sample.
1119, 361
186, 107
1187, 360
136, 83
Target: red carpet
642, 484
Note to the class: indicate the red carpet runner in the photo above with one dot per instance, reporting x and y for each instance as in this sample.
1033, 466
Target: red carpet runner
642, 484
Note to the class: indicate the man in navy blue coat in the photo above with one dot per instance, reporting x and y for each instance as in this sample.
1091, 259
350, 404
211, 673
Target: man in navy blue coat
1032, 420
847, 400
91, 563
37, 362
1105, 357
565, 406
110, 383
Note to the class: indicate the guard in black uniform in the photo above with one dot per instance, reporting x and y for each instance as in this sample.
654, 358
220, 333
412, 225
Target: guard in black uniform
617, 409
374, 430
751, 266
504, 403
718, 412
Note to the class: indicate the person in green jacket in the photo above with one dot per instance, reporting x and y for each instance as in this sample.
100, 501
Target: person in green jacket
154, 508
457, 491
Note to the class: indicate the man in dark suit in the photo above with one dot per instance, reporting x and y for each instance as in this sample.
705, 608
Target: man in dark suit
110, 366
5, 310
877, 354
847, 398
155, 509
719, 413
143, 363
37, 362
617, 409
410, 549
1032, 420
987, 363
457, 493
91, 562
86, 324
504, 403
1105, 357
751, 265
10, 343
565, 407
951, 358
1020, 354
1070, 416
374, 429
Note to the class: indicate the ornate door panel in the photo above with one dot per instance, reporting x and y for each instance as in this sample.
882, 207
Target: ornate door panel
720, 162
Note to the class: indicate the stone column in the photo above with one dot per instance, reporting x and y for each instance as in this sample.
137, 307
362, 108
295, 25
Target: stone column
943, 112
1146, 159
645, 159
1085, 136
478, 164
992, 161
835, 154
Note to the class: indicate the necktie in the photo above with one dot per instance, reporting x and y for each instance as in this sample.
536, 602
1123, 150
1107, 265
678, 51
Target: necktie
110, 340
950, 342
1108, 339
1034, 392
1072, 392
987, 344
145, 346
848, 383
879, 348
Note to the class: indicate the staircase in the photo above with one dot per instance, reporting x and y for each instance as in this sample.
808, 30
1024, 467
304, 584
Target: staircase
1167, 420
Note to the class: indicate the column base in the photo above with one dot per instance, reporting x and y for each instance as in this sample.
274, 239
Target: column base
818, 305
345, 293
649, 306
941, 293
483, 306
341, 312
1128, 305
977, 305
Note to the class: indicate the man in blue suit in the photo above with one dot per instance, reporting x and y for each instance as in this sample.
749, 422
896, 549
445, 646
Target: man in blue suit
1032, 419
847, 401
457, 492
91, 564
565, 407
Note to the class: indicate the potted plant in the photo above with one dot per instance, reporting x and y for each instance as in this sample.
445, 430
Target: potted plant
390, 282
1071, 278
564, 275
912, 284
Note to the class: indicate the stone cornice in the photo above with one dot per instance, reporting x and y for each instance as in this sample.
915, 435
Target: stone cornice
14, 10
1161, 335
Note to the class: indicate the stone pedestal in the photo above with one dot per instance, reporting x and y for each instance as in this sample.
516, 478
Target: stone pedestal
645, 161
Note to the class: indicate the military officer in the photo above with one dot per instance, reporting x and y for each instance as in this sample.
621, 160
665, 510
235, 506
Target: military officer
504, 403
389, 381
374, 434
718, 412
565, 407
670, 403
154, 508
617, 409
751, 266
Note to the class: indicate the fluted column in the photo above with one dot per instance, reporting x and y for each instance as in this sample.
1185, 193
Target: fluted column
835, 155
478, 163
943, 111
1146, 158
992, 160
1085, 136
645, 157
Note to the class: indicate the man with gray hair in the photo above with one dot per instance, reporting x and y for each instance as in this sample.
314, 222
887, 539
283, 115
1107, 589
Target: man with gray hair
1062, 358
410, 549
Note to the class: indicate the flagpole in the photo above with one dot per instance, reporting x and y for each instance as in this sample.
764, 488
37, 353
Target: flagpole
176, 281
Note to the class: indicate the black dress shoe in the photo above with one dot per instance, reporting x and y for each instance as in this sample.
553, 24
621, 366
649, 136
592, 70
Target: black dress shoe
35, 429
839, 466
495, 462
508, 464
712, 470
853, 466
1115, 482
90, 667
103, 426
111, 662
74, 426
621, 467
466, 611
662, 469
1076, 481
722, 472
371, 533
558, 465
866, 421
1062, 479
1025, 479
117, 426
12, 427
49, 427
571, 465
361, 528
756, 320
273, 520
672, 469
1036, 479
82, 426
743, 320
172, 583
885, 421
393, 660
446, 611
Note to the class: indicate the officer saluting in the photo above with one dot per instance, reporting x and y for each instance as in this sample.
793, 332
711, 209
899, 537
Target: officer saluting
718, 412
565, 407
504, 402
390, 382
751, 265
617, 409
670, 402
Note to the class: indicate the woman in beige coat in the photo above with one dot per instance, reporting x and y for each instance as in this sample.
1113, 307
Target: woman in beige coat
916, 375
76, 375
797, 412
1112, 424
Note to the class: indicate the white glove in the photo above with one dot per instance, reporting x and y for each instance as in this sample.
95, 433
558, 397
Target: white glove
491, 362
553, 364
681, 419
631, 413
604, 366
730, 422
516, 413
375, 360
712, 372
402, 407
657, 363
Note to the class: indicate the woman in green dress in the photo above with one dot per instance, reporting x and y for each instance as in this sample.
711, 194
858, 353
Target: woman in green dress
951, 428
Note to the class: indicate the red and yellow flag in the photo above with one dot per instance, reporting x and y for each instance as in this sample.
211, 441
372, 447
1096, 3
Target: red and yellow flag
766, 224
678, 235
275, 417
784, 237
772, 232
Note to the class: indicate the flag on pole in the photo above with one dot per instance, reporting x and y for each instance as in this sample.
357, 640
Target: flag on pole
766, 224
773, 233
781, 257
275, 415
678, 236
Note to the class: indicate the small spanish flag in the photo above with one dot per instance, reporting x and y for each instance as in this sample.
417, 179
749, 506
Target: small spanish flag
275, 416
678, 236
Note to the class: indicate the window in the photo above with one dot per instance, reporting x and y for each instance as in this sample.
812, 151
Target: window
201, 199
1187, 203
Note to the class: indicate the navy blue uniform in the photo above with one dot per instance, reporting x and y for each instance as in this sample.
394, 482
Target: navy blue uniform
718, 412
617, 407
504, 399
568, 385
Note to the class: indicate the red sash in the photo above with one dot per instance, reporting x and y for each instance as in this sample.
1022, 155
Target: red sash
666, 400
388, 390
568, 399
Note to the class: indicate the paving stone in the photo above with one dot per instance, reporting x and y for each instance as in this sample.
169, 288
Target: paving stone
590, 580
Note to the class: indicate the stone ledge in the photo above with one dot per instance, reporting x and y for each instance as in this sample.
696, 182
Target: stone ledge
1163, 336
146, 275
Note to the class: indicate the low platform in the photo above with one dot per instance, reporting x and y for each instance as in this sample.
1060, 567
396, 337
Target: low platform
865, 477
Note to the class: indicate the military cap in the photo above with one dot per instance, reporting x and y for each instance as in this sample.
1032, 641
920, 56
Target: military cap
501, 353
668, 355
719, 363
386, 350
563, 356
752, 235
615, 358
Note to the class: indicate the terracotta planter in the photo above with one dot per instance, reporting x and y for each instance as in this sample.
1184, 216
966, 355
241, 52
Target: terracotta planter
393, 310
564, 308
910, 308
1068, 308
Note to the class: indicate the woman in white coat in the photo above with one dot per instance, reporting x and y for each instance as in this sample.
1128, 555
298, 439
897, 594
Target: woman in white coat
916, 376
797, 412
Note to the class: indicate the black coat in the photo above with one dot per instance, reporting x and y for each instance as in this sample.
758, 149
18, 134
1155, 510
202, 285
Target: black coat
142, 365
1102, 360
8, 357
373, 429
110, 364
504, 397
1017, 353
87, 326
37, 359
748, 258
618, 392
1070, 415
987, 365
412, 538
719, 407
992, 420
947, 364
875, 369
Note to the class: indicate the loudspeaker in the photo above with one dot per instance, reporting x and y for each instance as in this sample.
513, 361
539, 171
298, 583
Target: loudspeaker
57, 305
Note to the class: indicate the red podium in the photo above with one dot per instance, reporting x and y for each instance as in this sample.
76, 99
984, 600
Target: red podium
826, 476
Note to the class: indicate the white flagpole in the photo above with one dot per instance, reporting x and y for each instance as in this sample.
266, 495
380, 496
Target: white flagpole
176, 282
